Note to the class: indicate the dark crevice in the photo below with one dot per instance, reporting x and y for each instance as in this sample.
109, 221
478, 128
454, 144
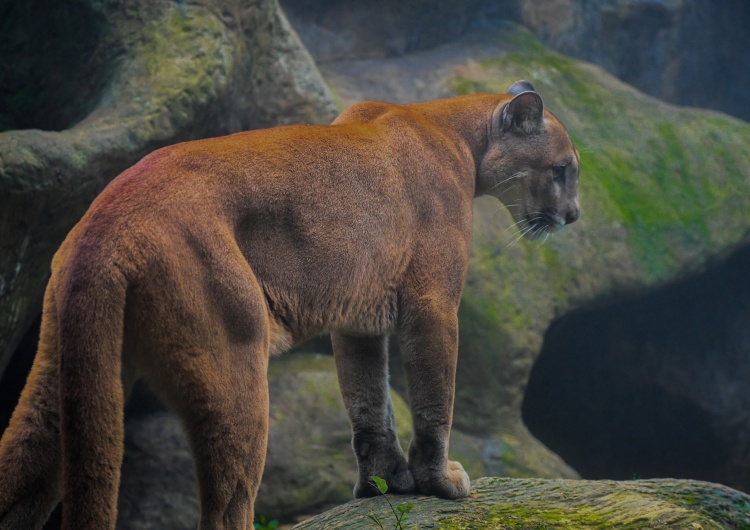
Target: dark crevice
13, 379
654, 386
49, 63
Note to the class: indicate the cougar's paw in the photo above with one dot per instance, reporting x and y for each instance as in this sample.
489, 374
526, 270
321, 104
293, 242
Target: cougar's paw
399, 480
454, 484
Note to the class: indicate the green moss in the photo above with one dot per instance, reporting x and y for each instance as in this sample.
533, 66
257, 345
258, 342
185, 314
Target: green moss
338, 101
522, 517
521, 38
463, 86
630, 509
691, 500
184, 55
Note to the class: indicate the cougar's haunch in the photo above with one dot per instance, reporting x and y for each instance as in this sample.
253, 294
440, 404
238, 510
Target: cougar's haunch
206, 257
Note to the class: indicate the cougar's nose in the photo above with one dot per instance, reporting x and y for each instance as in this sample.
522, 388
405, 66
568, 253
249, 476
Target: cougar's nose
572, 215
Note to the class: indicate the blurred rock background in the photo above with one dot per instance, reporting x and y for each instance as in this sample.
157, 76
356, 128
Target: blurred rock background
620, 348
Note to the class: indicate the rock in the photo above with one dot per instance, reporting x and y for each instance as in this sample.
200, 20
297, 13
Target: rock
136, 76
557, 504
690, 52
359, 28
661, 202
310, 464
158, 488
506, 454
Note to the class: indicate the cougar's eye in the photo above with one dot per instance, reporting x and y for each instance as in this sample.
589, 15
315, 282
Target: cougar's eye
558, 174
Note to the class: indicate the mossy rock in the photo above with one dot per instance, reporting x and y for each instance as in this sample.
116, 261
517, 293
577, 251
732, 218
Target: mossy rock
538, 504
664, 190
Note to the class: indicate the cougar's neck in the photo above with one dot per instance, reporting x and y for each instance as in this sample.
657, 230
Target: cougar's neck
466, 119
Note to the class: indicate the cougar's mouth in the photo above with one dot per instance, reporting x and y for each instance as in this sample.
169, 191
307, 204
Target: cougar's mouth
552, 219
541, 225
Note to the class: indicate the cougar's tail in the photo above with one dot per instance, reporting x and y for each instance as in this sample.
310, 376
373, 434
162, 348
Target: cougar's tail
66, 434
30, 447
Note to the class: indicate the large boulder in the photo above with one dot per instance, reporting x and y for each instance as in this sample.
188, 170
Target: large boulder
556, 505
664, 192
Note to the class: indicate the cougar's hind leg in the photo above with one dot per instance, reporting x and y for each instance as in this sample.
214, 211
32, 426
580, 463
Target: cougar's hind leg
226, 418
362, 366
219, 390
208, 361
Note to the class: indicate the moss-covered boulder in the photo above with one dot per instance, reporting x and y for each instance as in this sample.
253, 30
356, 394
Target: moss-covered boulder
664, 191
520, 504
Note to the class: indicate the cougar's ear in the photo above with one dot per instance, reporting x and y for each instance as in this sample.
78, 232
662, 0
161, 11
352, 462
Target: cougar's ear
524, 113
520, 86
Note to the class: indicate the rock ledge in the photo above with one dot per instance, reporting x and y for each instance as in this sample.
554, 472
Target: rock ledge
558, 504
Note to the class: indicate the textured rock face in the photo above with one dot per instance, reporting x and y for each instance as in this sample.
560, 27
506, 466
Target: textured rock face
341, 29
649, 219
517, 504
690, 52
143, 75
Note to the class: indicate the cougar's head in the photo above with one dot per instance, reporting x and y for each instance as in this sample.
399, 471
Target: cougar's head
530, 164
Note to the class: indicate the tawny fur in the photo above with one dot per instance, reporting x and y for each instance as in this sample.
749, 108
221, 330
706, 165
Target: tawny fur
197, 263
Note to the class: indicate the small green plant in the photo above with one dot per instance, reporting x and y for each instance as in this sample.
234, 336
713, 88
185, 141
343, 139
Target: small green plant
264, 524
400, 512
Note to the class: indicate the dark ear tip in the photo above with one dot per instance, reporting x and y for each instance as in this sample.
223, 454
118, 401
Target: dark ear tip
529, 96
529, 100
524, 112
520, 86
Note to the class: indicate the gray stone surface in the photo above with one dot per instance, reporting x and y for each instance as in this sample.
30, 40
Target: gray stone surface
519, 504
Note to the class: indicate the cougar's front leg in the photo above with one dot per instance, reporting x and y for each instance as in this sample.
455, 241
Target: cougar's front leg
362, 366
429, 346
